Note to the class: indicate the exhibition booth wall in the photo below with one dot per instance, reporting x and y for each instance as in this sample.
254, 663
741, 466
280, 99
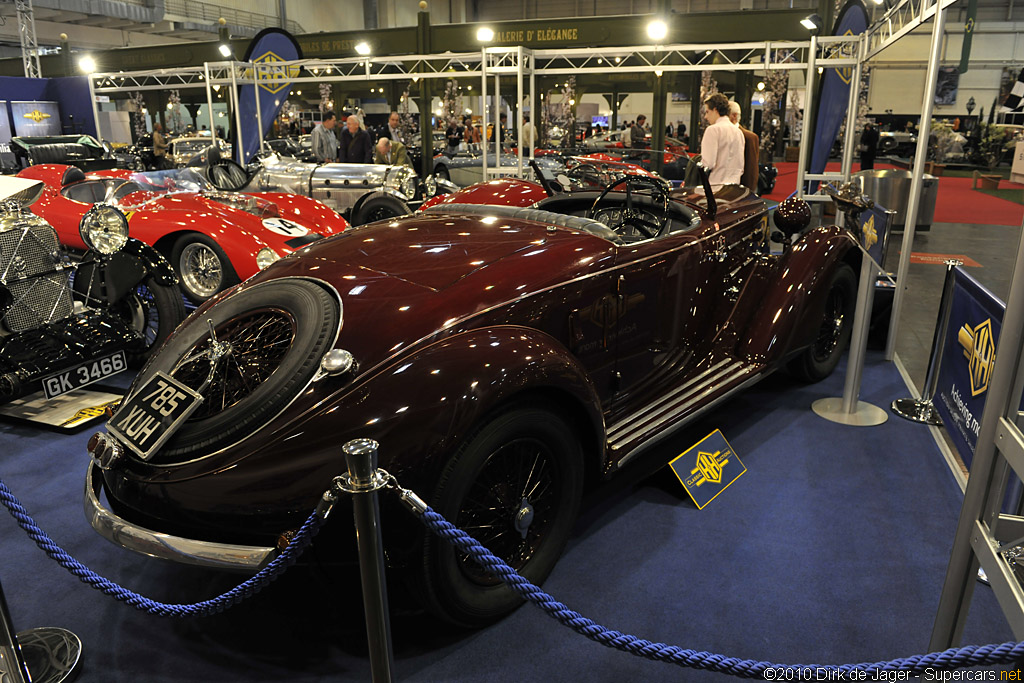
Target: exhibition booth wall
71, 94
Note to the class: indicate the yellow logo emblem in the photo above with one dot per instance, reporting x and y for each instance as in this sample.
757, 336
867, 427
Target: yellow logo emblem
980, 352
710, 467
274, 78
37, 115
870, 233
86, 414
846, 73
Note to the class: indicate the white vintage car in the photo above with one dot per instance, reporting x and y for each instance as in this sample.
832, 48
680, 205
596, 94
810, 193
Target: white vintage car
361, 192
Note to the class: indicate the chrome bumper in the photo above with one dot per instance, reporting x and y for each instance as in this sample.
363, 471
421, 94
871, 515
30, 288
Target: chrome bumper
155, 544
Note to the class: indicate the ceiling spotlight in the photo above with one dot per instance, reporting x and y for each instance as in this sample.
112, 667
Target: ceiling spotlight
618, 59
485, 34
812, 23
170, 105
657, 30
658, 72
87, 64
363, 48
225, 49
298, 92
760, 85
216, 88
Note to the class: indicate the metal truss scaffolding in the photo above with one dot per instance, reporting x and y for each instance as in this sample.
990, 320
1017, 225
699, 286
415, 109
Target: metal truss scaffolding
27, 32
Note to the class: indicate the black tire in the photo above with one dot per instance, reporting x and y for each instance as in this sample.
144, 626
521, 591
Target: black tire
523, 453
154, 310
378, 207
202, 266
278, 331
817, 361
442, 172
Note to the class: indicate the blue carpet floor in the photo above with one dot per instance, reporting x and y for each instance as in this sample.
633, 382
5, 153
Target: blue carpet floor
831, 548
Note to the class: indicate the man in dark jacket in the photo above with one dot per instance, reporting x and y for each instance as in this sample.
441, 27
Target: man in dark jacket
868, 146
355, 146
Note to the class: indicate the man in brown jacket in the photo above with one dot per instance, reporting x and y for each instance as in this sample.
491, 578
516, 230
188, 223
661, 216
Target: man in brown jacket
751, 149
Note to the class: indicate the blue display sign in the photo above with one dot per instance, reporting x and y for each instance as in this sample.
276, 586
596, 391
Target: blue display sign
969, 354
273, 86
708, 468
834, 93
36, 118
874, 230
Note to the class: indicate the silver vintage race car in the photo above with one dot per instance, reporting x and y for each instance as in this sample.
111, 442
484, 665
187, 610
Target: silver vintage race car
361, 192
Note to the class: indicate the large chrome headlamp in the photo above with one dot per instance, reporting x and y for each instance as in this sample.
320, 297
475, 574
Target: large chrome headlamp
104, 229
430, 185
409, 184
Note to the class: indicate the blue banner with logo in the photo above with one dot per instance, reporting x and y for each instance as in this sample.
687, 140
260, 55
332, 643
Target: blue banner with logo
874, 230
976, 316
272, 88
834, 92
36, 118
708, 468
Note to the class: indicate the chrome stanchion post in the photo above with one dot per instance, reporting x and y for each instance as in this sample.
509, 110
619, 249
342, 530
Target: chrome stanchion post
363, 481
923, 409
38, 655
847, 409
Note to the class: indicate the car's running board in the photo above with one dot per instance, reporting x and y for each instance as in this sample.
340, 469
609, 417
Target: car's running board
677, 408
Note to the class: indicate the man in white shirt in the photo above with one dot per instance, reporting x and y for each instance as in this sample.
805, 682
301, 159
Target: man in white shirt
529, 133
721, 148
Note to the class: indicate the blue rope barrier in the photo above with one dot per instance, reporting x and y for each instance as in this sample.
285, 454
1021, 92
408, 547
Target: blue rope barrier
244, 590
953, 658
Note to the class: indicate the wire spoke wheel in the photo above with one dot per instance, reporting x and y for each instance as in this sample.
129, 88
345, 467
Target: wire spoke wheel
515, 486
832, 327
509, 506
258, 341
201, 269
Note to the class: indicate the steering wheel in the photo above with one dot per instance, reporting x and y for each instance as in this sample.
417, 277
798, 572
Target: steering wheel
637, 219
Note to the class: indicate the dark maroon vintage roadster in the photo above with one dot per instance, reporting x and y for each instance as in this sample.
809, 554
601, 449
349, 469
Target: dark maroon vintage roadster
503, 357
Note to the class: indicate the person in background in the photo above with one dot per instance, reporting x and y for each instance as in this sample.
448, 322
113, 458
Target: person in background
454, 134
721, 148
323, 140
627, 133
529, 135
354, 146
159, 146
502, 130
391, 153
394, 131
751, 148
868, 146
681, 133
638, 135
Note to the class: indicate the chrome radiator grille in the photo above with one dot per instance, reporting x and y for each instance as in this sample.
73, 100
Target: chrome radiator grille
27, 268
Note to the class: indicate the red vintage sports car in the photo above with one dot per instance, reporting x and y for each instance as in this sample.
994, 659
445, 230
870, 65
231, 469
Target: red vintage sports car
503, 357
213, 239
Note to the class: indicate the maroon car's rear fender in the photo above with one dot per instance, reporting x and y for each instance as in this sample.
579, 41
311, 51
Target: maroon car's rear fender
423, 407
788, 313
419, 408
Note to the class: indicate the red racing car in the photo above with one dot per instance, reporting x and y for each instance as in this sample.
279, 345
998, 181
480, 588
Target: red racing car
213, 239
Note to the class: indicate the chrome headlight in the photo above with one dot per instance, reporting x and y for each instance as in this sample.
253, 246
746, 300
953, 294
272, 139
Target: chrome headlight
409, 184
104, 229
265, 257
430, 185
